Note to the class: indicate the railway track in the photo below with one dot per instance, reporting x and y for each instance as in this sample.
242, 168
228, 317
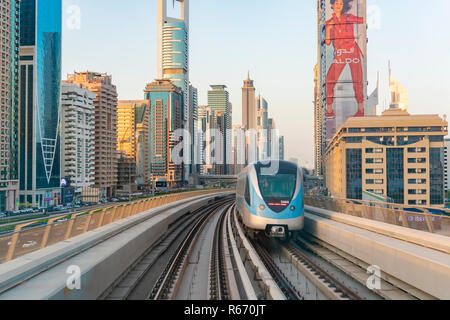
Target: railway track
137, 281
283, 282
167, 286
328, 284
218, 282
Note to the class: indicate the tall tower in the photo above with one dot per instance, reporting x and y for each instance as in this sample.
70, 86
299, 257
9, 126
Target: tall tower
173, 58
173, 49
39, 102
248, 104
9, 38
218, 100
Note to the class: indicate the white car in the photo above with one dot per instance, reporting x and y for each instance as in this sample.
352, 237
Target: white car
29, 244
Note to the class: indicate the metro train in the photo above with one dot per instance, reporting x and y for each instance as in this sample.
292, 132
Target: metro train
269, 198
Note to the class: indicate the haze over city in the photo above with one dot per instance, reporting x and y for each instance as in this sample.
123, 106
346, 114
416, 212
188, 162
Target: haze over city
276, 41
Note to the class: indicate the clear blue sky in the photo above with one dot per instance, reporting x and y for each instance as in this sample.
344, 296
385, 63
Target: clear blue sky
276, 41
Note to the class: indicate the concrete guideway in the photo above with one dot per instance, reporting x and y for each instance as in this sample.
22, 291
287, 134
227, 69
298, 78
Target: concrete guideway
101, 255
380, 244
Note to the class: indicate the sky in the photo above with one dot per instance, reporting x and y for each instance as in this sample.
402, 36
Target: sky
276, 41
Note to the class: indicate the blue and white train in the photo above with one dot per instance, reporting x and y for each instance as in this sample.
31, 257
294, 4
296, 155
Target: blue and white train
269, 198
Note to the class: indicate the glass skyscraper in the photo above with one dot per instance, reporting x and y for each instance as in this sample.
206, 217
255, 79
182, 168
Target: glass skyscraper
39, 107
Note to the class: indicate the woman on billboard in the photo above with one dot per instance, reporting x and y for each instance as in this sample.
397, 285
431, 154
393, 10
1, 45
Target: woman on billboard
340, 32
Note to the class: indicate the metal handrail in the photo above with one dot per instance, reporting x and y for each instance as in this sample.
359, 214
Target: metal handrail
12, 245
390, 213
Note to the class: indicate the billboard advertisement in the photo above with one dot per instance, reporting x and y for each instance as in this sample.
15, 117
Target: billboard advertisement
344, 48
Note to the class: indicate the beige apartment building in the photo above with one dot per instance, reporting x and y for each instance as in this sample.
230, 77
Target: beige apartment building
105, 128
397, 156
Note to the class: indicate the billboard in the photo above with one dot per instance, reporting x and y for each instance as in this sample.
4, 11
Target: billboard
344, 49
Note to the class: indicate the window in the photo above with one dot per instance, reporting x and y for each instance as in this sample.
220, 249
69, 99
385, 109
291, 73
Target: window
379, 181
354, 139
412, 181
422, 181
412, 191
436, 138
247, 192
379, 171
395, 174
412, 150
378, 150
354, 173
379, 160
370, 160
370, 171
369, 150
354, 130
422, 171
412, 160
412, 171
421, 160
370, 181
421, 150
412, 202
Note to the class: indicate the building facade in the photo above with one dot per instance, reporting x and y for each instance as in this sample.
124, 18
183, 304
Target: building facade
77, 136
166, 105
446, 165
218, 100
142, 122
248, 104
132, 141
397, 156
105, 128
342, 64
9, 184
39, 102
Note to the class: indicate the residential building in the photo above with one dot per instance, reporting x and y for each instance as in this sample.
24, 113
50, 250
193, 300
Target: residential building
9, 176
396, 155
39, 103
166, 105
105, 128
77, 136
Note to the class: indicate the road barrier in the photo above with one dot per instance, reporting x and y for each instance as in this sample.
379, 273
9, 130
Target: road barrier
28, 237
417, 218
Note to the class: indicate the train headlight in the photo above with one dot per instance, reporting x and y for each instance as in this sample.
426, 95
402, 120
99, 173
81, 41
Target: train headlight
292, 208
262, 207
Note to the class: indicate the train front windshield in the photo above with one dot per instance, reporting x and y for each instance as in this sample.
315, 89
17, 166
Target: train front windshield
281, 186
277, 190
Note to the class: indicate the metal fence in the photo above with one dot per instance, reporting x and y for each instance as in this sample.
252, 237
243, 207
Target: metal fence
417, 218
28, 237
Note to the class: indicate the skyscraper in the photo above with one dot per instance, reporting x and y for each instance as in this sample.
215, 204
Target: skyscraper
105, 114
342, 59
173, 50
39, 102
9, 185
248, 104
319, 145
218, 100
399, 95
77, 136
446, 165
166, 104
262, 126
